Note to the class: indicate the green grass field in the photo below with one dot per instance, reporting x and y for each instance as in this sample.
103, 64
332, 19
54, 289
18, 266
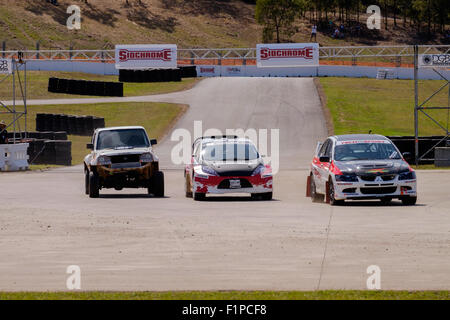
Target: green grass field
155, 117
386, 107
231, 295
37, 85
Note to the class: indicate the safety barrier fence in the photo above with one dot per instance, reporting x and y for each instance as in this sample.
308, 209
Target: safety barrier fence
383, 56
13, 157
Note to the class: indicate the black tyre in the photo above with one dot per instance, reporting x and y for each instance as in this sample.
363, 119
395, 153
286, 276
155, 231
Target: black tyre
187, 187
331, 194
315, 197
157, 185
94, 189
198, 196
86, 182
267, 196
385, 200
409, 201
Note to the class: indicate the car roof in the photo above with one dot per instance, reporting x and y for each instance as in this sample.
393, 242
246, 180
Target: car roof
225, 140
121, 128
352, 137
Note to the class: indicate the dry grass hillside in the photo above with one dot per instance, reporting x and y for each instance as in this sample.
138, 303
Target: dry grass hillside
188, 23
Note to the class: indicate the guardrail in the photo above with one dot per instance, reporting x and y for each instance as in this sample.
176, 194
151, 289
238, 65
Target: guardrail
13, 157
241, 56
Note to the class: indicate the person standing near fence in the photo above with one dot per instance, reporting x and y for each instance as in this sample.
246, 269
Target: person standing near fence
313, 33
3, 133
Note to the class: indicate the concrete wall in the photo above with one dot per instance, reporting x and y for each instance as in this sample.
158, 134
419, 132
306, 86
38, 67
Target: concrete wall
246, 71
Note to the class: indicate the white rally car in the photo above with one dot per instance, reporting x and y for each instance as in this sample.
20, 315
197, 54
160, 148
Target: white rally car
227, 164
360, 167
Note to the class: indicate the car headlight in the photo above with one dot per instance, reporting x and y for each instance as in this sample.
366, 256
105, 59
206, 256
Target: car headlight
146, 157
409, 175
209, 171
258, 170
346, 177
104, 160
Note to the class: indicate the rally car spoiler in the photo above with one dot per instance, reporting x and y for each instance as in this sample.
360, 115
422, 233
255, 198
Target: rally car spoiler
215, 137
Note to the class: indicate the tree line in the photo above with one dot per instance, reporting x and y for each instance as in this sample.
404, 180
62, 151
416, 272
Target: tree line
277, 16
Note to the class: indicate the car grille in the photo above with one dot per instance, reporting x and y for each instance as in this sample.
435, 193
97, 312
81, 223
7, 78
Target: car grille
378, 190
225, 184
125, 158
388, 177
246, 173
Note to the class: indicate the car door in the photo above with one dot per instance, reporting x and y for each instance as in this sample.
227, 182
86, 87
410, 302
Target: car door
320, 168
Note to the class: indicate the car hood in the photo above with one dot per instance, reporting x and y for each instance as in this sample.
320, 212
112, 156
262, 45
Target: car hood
375, 167
225, 166
120, 152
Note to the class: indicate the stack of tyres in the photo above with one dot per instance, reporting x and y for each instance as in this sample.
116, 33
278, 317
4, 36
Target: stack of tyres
89, 125
64, 122
99, 88
176, 75
40, 122
98, 122
114, 89
38, 150
166, 75
60, 135
49, 153
188, 71
72, 124
63, 152
47, 135
80, 125
56, 122
63, 86
48, 121
53, 85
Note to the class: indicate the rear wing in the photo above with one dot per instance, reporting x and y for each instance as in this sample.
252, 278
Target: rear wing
214, 137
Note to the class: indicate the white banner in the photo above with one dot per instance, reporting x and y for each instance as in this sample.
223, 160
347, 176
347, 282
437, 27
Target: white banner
287, 55
142, 56
434, 60
5, 66
208, 71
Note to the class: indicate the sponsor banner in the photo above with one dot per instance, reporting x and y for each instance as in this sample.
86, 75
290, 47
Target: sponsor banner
208, 71
146, 56
434, 60
287, 55
233, 71
5, 66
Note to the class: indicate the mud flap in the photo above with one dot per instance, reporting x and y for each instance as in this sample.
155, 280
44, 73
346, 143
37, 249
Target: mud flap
308, 186
327, 192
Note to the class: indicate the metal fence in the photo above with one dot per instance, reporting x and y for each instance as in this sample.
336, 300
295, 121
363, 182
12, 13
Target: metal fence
351, 55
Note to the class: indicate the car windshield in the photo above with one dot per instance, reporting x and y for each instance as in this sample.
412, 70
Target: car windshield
229, 152
365, 151
122, 138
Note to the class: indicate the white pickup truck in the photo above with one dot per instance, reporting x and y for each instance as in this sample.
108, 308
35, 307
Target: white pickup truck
122, 157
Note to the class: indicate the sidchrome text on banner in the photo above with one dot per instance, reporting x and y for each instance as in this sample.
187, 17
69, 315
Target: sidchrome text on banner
287, 55
146, 56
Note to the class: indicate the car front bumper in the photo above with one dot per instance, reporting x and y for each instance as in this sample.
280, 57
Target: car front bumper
375, 190
222, 184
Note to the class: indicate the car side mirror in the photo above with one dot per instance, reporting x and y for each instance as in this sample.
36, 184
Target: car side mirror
324, 159
407, 156
153, 142
90, 146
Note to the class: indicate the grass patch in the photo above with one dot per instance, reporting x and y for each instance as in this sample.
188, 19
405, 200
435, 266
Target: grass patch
156, 118
231, 295
37, 85
386, 107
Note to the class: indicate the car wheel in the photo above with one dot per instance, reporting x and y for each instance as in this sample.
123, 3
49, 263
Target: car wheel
267, 196
331, 194
315, 197
94, 189
187, 187
86, 182
198, 196
157, 184
409, 201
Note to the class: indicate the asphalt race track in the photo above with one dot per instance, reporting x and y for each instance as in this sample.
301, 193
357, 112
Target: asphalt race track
129, 241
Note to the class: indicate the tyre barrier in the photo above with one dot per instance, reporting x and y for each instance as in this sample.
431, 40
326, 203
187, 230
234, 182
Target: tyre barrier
188, 71
71, 124
46, 135
407, 144
41, 151
13, 157
85, 87
153, 75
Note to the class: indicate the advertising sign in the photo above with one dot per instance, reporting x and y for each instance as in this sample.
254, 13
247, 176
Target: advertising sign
434, 60
287, 55
5, 66
146, 56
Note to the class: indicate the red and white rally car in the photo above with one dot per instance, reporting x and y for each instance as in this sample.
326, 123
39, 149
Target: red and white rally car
227, 164
360, 167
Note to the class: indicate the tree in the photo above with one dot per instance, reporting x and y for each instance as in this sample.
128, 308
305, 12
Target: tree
277, 16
